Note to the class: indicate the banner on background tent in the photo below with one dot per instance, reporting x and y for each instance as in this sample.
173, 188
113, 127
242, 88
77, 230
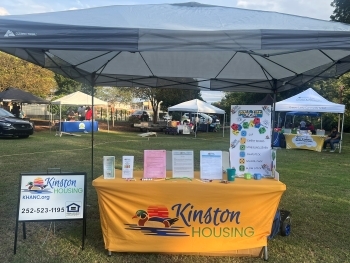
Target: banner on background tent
250, 139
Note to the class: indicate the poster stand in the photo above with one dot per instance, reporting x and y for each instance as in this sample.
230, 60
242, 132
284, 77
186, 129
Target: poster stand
52, 209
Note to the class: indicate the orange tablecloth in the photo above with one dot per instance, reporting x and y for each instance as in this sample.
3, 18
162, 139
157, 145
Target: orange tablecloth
190, 217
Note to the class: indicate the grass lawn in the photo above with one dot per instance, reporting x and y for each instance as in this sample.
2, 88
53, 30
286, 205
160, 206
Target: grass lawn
318, 195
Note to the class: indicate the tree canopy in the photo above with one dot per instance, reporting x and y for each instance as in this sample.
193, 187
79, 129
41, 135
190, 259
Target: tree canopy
18, 73
341, 11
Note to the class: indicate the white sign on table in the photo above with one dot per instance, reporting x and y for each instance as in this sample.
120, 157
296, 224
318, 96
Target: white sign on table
183, 163
128, 167
211, 165
109, 167
51, 197
250, 139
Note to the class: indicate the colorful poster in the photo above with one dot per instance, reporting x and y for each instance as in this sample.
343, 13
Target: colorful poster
183, 163
250, 139
109, 167
128, 167
211, 165
154, 164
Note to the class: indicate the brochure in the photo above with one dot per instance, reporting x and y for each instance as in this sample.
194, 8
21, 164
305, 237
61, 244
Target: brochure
128, 167
109, 167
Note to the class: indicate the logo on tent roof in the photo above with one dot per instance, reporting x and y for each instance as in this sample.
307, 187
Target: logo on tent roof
9, 33
308, 99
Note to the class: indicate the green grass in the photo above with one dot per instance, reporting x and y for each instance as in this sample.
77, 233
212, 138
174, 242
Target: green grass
318, 195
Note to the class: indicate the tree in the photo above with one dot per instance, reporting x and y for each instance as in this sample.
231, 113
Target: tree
18, 73
115, 94
341, 11
164, 97
66, 86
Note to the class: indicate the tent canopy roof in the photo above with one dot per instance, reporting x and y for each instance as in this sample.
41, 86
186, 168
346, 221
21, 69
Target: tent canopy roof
196, 106
310, 101
21, 96
79, 98
167, 45
268, 100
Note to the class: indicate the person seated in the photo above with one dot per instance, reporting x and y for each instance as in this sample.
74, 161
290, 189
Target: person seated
331, 139
303, 125
71, 115
311, 128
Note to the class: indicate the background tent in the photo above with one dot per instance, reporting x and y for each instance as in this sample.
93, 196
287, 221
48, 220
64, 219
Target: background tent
310, 101
80, 99
20, 96
198, 106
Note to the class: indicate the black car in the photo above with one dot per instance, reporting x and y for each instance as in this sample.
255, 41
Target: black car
12, 126
141, 115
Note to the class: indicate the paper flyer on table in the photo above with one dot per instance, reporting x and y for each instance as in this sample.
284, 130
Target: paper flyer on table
154, 164
250, 139
128, 167
109, 167
183, 163
211, 165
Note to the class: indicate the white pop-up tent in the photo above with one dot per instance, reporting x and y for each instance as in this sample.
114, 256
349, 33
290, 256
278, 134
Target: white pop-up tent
80, 99
197, 106
310, 101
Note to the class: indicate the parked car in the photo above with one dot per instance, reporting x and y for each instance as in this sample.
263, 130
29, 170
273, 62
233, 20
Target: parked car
202, 118
141, 115
15, 127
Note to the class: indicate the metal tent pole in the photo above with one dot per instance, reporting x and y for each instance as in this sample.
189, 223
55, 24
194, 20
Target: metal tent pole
92, 124
341, 134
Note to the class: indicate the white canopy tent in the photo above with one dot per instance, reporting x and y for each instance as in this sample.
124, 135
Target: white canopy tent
198, 106
310, 101
80, 99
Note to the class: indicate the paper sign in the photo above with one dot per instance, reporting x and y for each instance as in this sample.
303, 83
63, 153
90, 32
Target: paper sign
183, 164
108, 167
128, 167
211, 165
154, 164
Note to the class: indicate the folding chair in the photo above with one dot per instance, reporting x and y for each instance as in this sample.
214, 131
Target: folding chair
337, 146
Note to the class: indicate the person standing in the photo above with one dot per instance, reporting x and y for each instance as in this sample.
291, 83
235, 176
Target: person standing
88, 114
302, 125
81, 112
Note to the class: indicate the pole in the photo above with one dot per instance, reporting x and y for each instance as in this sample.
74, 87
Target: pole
92, 124
341, 134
